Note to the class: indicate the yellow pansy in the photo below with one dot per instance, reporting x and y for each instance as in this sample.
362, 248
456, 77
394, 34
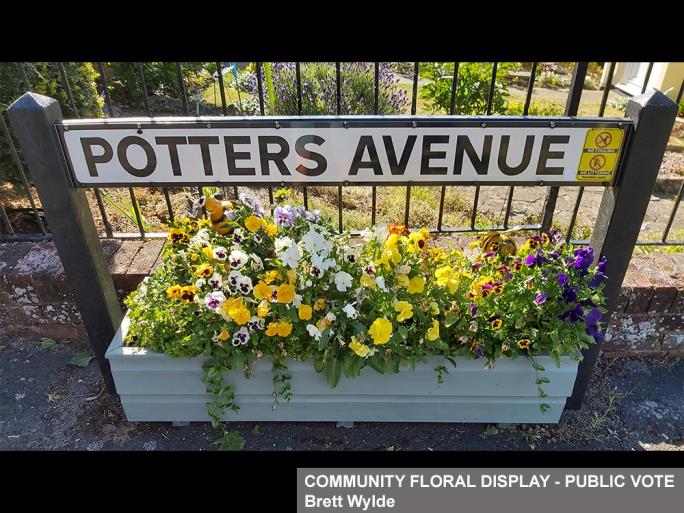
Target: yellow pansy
392, 240
323, 323
263, 308
284, 329
447, 277
360, 349
285, 293
389, 257
204, 270
381, 331
270, 276
272, 329
173, 291
416, 285
253, 223
433, 331
319, 304
222, 336
291, 276
207, 252
262, 291
236, 310
402, 280
434, 308
177, 235
405, 310
418, 240
304, 312
188, 292
368, 281
271, 229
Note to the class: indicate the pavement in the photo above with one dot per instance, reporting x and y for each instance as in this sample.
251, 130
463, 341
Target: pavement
46, 403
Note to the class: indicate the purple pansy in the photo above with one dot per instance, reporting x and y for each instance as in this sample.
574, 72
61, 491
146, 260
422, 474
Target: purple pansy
574, 314
284, 216
541, 298
473, 309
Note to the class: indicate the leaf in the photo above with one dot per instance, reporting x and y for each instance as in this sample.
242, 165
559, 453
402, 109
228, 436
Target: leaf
538, 367
491, 431
392, 365
544, 407
334, 372
348, 364
230, 441
80, 360
450, 320
48, 343
324, 340
256, 430
542, 379
319, 364
376, 364
555, 357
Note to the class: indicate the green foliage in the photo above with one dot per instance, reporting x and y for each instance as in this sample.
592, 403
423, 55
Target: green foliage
537, 108
230, 441
472, 91
81, 360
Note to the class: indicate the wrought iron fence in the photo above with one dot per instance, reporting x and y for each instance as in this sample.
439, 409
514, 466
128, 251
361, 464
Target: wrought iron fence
547, 212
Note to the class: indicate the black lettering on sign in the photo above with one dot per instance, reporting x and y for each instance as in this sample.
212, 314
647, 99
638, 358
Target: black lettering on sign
87, 144
204, 142
481, 164
398, 168
365, 142
428, 154
122, 154
277, 157
172, 143
545, 154
232, 155
300, 148
503, 156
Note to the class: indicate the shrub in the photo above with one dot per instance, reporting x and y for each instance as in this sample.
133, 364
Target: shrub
472, 91
553, 80
537, 108
319, 90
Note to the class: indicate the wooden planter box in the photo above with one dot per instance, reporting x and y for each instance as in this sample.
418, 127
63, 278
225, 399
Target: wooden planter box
156, 387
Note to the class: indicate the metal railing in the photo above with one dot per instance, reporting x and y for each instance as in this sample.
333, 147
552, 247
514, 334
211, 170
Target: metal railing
547, 213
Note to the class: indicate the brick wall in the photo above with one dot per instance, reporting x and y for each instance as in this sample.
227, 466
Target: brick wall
35, 300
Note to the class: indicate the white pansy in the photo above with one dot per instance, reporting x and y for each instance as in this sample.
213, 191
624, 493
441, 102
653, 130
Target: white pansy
214, 300
313, 331
322, 263
330, 316
297, 300
380, 282
244, 284
343, 281
234, 278
238, 258
350, 311
402, 269
219, 253
282, 243
200, 238
367, 234
256, 263
290, 257
381, 232
200, 283
313, 241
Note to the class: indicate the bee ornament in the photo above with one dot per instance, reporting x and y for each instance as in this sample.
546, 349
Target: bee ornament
497, 243
216, 207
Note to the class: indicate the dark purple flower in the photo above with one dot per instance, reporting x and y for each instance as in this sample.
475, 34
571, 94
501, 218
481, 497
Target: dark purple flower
594, 331
584, 257
594, 316
554, 254
478, 352
562, 279
535, 259
530, 260
541, 298
602, 264
569, 294
598, 278
574, 314
473, 309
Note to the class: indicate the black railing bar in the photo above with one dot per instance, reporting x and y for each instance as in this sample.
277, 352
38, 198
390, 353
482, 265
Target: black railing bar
571, 109
492, 86
298, 73
181, 88
24, 76
339, 207
407, 209
200, 190
376, 102
575, 210
136, 211
20, 168
440, 215
374, 204
143, 87
675, 207
6, 219
681, 92
169, 206
530, 87
305, 193
236, 193
67, 87
260, 89
133, 235
108, 100
338, 88
473, 214
454, 85
606, 89
509, 201
660, 243
414, 95
103, 212
219, 74
647, 77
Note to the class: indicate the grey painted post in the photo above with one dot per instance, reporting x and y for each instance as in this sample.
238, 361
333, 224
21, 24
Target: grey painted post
624, 205
71, 222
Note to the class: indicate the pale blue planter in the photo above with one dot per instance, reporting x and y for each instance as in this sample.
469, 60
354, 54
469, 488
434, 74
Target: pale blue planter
156, 387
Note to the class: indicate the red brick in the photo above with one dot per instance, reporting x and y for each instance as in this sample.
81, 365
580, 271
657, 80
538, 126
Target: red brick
641, 292
120, 262
635, 331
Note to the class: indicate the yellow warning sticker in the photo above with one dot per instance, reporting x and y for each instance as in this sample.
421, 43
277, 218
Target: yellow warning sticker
600, 155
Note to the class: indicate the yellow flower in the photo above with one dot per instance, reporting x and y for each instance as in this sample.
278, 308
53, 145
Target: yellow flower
496, 324
204, 270
447, 277
319, 304
305, 312
253, 223
222, 336
380, 330
286, 293
368, 281
402, 280
392, 240
389, 257
263, 308
262, 291
416, 285
207, 252
418, 240
236, 310
360, 349
271, 229
272, 329
188, 292
291, 276
270, 276
177, 235
524, 343
284, 329
433, 332
323, 323
405, 310
434, 307
173, 291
